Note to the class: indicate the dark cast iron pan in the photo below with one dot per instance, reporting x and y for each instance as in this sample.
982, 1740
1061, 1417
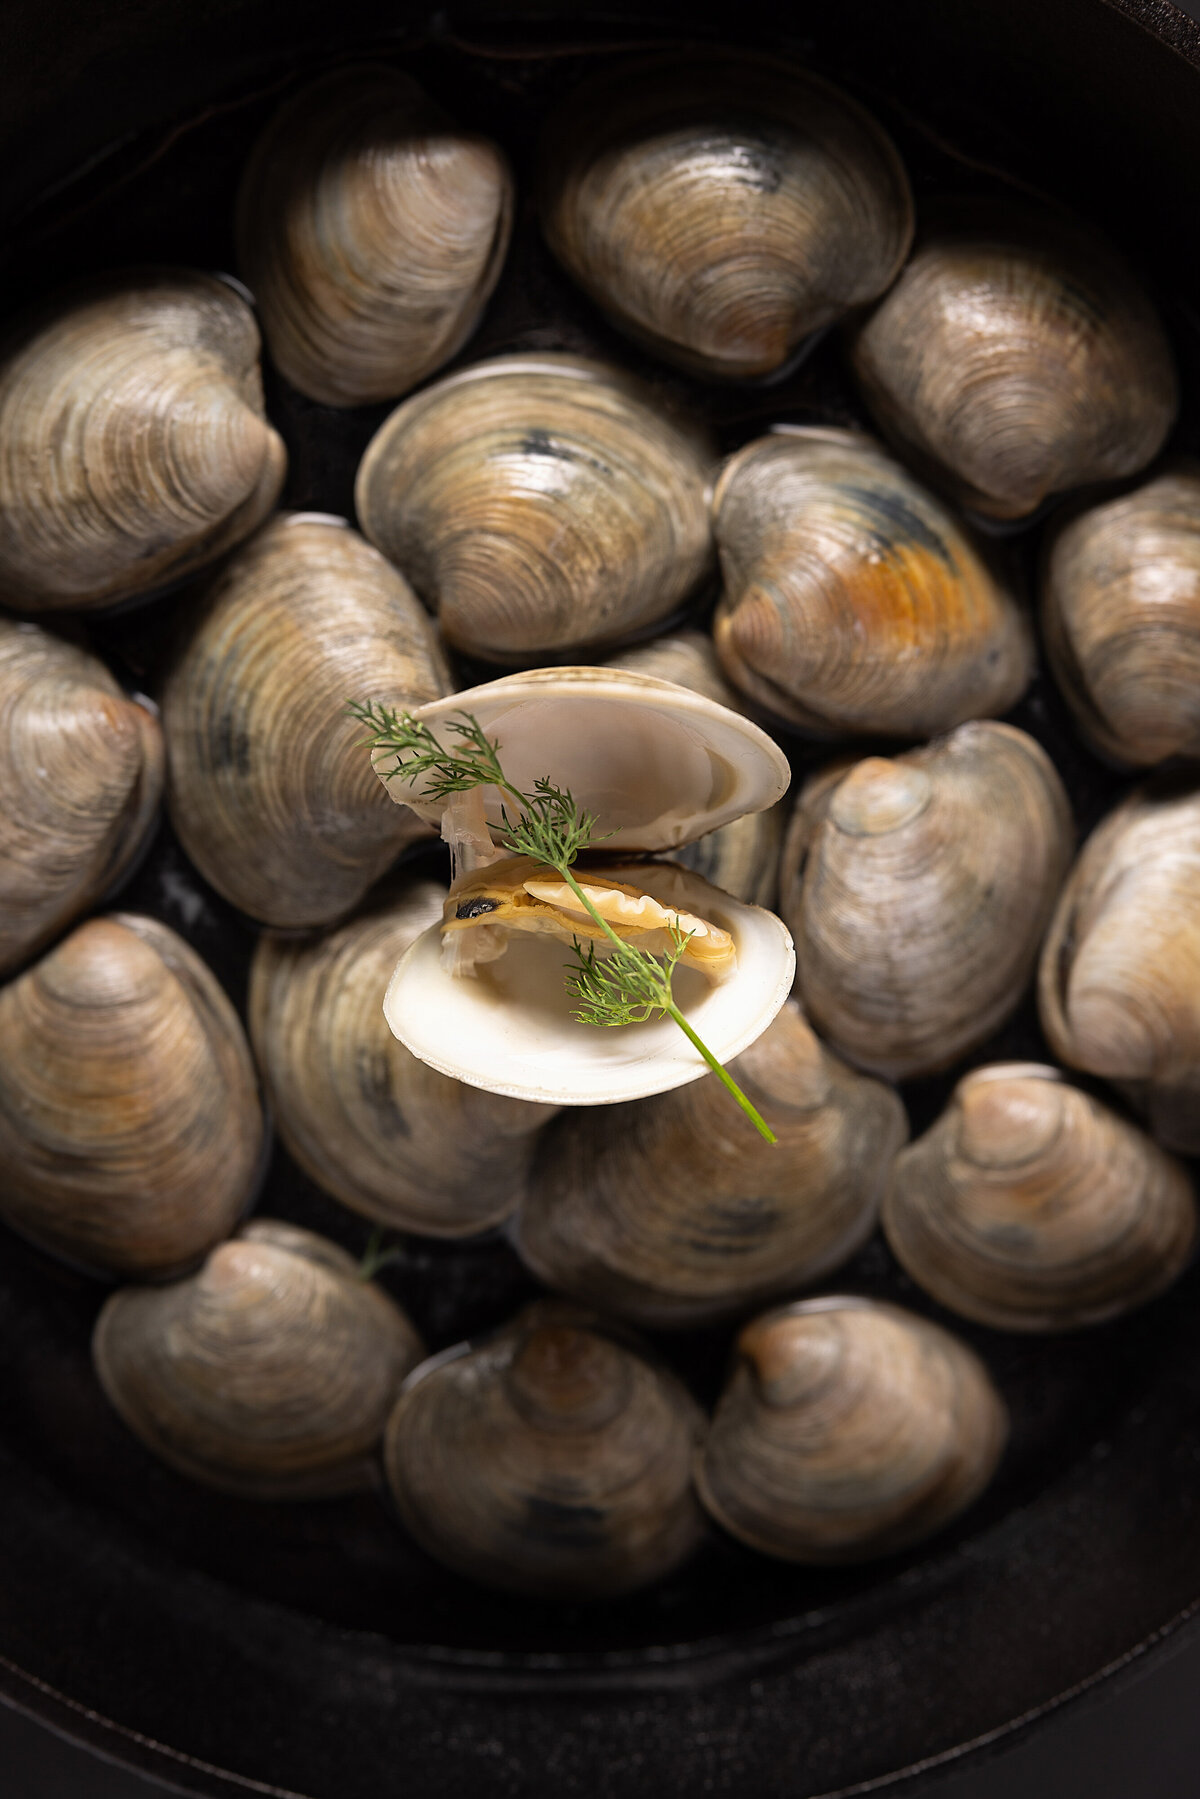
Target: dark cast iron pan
310, 1649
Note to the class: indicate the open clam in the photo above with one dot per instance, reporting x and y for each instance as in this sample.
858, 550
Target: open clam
722, 208
382, 1131
81, 769
269, 1374
136, 447
482, 998
372, 230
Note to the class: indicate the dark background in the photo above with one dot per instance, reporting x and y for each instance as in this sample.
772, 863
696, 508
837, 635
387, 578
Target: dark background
1138, 1737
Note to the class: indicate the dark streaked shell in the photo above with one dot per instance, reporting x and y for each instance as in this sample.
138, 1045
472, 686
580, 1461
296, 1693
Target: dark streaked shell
848, 1429
918, 889
81, 771
372, 230
269, 1374
1121, 618
722, 208
130, 1129
1017, 357
551, 1459
269, 787
1029, 1206
855, 603
1119, 984
135, 445
673, 1211
539, 503
384, 1133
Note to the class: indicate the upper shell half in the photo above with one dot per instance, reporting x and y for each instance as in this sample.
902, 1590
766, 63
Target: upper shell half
372, 230
722, 208
659, 766
1121, 618
135, 448
81, 771
854, 601
1017, 357
539, 503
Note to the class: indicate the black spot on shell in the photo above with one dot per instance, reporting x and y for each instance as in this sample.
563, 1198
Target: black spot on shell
476, 908
890, 520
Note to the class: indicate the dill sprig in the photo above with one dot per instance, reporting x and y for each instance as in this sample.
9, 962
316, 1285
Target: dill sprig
629, 985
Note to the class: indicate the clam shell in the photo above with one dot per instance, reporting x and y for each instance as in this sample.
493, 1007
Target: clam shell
268, 1375
1119, 983
81, 768
658, 766
848, 1429
918, 890
136, 448
1030, 1206
372, 230
854, 601
1016, 357
372, 1125
539, 504
509, 1028
268, 785
673, 1211
130, 1129
1121, 618
721, 209
552, 1459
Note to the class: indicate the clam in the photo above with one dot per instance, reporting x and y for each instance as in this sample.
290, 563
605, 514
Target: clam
81, 769
539, 504
854, 601
673, 1211
1030, 1206
848, 1429
742, 857
722, 208
130, 1129
552, 1459
136, 448
1121, 618
267, 786
1017, 357
483, 998
918, 890
1119, 984
269, 1374
384, 1133
372, 230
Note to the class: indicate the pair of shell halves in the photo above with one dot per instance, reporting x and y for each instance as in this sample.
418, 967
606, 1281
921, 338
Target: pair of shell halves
854, 601
268, 1375
539, 504
1016, 358
372, 230
81, 770
553, 1459
1121, 618
130, 1129
1030, 1206
918, 890
483, 997
673, 1211
1119, 984
848, 1429
722, 208
134, 448
387, 1135
268, 785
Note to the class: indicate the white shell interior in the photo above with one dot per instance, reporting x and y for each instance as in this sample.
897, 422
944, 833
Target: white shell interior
658, 764
509, 1028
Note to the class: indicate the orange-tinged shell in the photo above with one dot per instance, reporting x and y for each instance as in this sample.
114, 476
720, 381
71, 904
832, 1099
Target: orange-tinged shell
372, 230
135, 448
